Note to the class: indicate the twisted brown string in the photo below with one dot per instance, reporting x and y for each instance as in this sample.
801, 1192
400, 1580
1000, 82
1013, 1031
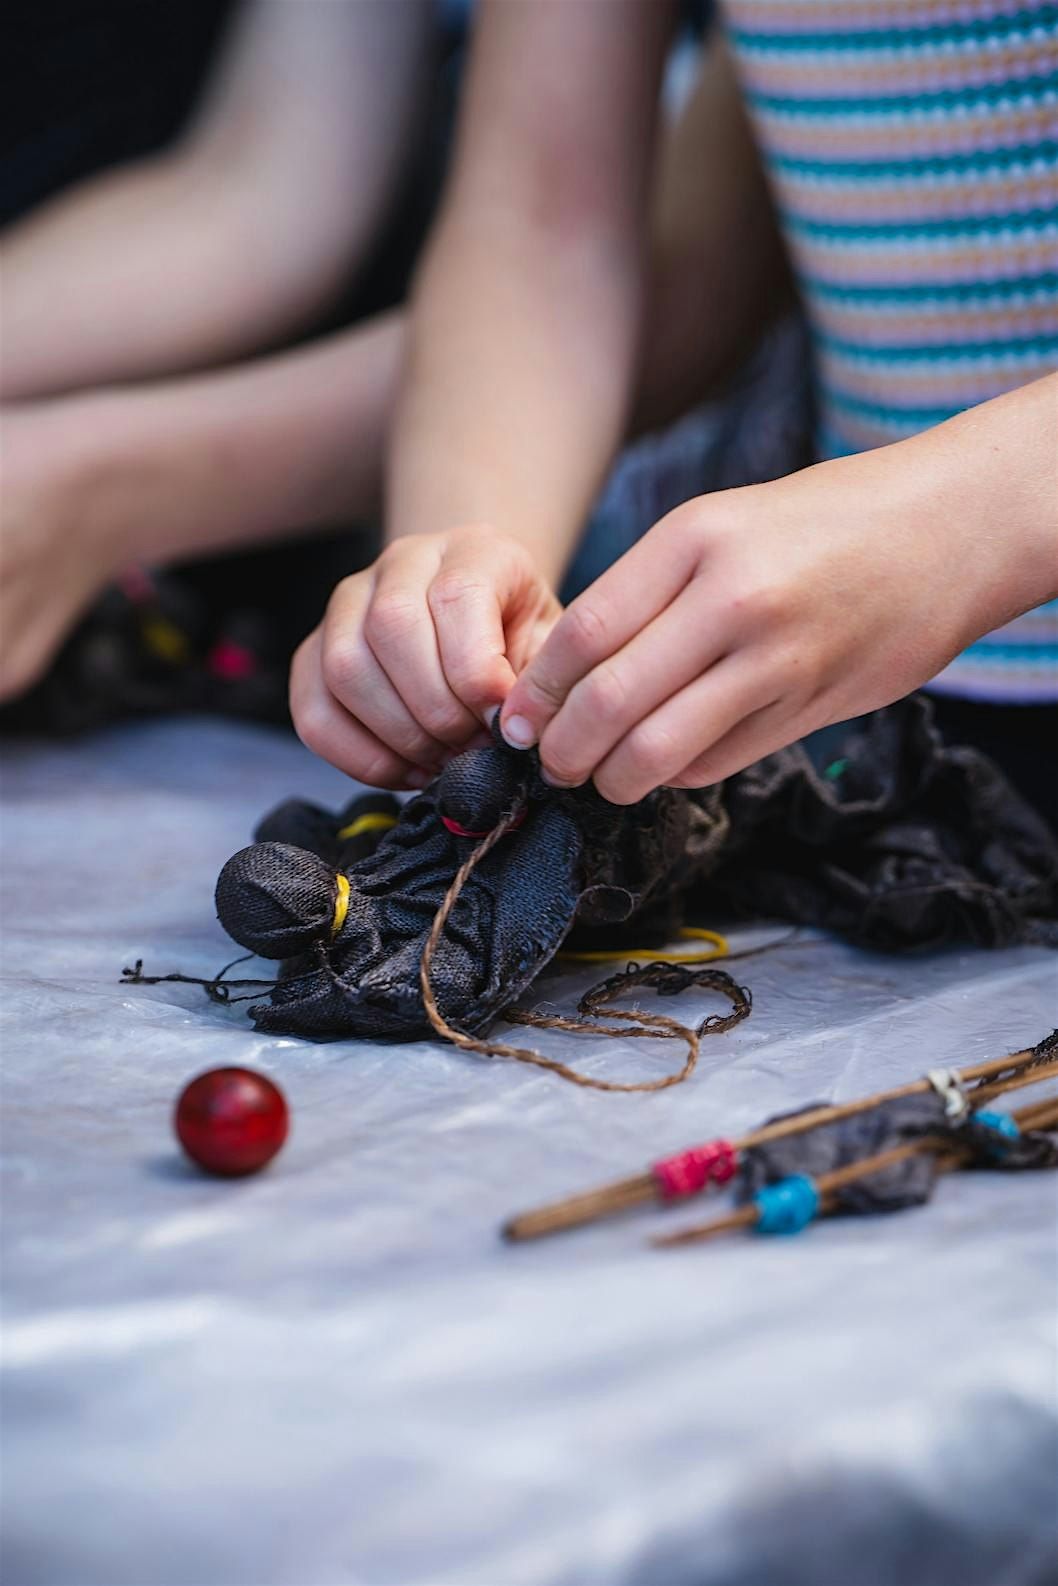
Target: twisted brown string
655, 1026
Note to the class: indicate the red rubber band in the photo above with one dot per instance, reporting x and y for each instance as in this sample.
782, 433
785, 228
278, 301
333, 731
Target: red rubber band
461, 831
690, 1171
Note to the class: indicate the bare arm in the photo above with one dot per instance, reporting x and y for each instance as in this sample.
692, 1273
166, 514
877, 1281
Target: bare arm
92, 482
527, 312
748, 618
718, 272
238, 233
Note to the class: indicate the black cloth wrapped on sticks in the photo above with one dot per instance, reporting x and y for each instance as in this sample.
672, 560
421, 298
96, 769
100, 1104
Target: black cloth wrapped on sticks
906, 843
867, 1134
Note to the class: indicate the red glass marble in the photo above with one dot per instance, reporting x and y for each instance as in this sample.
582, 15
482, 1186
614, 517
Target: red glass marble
231, 1121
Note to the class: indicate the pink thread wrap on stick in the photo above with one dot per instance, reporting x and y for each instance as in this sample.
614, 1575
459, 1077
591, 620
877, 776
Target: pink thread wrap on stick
689, 1172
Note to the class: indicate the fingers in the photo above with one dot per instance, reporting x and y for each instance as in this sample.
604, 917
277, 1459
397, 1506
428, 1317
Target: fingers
528, 631
760, 734
468, 599
330, 731
598, 623
681, 732
412, 656
357, 682
400, 632
604, 706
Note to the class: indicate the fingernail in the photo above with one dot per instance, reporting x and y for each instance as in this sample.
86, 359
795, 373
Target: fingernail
552, 781
491, 714
518, 732
420, 779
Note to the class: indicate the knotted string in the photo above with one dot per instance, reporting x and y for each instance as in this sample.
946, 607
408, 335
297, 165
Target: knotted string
653, 1026
217, 988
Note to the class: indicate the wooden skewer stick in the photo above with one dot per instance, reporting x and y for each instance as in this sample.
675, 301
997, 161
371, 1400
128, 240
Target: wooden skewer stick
1037, 1116
1028, 1076
622, 1195
1043, 1116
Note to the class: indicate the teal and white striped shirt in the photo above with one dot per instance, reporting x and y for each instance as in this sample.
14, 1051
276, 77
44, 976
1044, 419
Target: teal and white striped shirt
912, 147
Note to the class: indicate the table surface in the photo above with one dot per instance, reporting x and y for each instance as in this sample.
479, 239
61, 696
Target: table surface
335, 1372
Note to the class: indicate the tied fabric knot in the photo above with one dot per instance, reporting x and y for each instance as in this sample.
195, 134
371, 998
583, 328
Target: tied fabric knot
689, 1172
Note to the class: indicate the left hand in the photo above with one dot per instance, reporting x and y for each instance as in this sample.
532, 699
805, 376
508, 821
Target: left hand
60, 541
744, 620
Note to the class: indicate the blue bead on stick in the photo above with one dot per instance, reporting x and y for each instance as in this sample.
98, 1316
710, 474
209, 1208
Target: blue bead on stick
1002, 1126
788, 1206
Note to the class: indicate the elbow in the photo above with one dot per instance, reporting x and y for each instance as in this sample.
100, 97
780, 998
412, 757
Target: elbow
279, 241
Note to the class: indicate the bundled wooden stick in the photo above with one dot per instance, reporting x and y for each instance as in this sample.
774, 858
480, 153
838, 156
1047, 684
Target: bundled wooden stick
817, 1197
715, 1162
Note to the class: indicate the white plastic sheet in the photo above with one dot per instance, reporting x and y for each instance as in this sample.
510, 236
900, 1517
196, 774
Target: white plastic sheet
336, 1373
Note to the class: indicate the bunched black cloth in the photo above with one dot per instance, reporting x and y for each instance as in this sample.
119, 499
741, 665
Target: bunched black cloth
573, 857
906, 843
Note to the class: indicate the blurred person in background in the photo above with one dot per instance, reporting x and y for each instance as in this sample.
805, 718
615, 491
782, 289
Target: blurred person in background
157, 237
133, 431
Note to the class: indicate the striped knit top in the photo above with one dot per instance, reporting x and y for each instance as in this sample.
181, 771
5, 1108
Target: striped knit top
912, 147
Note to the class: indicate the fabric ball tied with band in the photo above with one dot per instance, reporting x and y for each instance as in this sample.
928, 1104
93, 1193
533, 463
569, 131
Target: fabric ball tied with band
347, 902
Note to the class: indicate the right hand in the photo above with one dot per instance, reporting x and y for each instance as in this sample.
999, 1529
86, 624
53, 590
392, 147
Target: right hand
415, 653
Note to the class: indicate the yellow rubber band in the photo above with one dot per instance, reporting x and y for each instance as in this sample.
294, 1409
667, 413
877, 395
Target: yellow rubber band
690, 933
165, 639
341, 903
375, 821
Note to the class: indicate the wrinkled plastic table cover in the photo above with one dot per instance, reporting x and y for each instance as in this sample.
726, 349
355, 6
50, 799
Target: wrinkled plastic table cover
337, 1373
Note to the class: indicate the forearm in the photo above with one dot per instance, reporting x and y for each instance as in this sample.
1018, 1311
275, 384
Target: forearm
994, 470
159, 267
519, 377
527, 312
205, 464
234, 237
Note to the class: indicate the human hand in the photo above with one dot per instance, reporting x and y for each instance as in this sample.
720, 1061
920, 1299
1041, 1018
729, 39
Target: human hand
744, 620
414, 654
60, 542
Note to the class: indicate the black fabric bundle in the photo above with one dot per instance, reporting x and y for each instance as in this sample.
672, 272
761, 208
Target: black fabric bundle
909, 843
574, 857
